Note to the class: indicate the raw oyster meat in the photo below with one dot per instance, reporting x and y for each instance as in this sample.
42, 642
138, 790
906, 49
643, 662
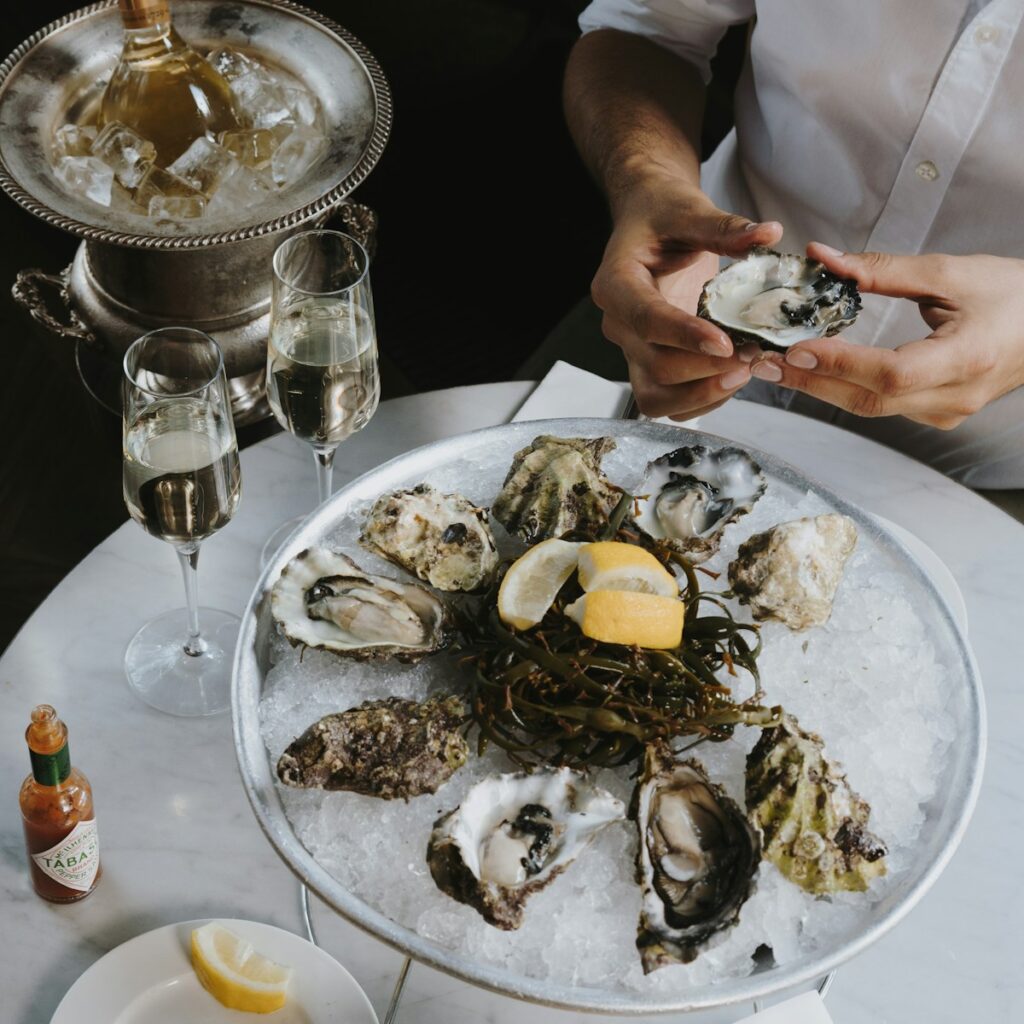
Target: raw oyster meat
512, 835
777, 299
697, 859
444, 539
792, 571
689, 496
814, 827
387, 748
322, 599
554, 487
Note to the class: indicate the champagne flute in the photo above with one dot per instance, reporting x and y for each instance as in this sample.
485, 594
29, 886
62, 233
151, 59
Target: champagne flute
181, 484
322, 377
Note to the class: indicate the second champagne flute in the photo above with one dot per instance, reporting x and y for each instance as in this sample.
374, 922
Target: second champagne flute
322, 376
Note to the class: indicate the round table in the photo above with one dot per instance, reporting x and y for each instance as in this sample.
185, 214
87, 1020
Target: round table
178, 840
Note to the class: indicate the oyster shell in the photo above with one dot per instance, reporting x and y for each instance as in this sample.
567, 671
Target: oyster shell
322, 599
513, 835
387, 748
777, 299
814, 827
554, 487
697, 859
689, 496
792, 571
444, 539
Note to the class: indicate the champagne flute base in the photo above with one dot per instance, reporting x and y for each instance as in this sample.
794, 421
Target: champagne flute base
167, 678
275, 541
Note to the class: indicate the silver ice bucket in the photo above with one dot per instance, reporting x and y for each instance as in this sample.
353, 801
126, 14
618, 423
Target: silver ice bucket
126, 277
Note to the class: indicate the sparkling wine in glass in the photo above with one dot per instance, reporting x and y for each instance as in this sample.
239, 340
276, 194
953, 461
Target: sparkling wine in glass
181, 484
322, 376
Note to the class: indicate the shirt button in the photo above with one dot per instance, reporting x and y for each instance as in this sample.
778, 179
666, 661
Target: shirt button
986, 34
927, 170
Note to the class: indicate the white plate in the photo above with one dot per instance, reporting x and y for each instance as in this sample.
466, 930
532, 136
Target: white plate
149, 980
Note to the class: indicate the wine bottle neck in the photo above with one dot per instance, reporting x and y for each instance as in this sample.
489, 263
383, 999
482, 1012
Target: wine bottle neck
145, 14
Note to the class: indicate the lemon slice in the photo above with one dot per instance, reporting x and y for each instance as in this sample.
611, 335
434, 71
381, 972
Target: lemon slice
235, 974
628, 617
612, 565
533, 580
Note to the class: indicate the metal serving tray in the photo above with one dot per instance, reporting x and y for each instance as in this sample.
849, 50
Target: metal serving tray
946, 816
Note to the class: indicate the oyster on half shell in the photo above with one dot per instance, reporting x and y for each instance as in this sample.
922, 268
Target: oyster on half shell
777, 299
697, 859
322, 599
513, 835
555, 487
444, 539
689, 496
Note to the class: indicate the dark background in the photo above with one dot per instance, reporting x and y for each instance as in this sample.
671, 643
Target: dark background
490, 231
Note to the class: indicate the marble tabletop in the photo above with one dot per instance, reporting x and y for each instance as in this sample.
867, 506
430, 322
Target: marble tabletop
178, 839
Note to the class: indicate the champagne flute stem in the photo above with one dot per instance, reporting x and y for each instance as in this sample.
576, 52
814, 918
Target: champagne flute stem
188, 557
324, 471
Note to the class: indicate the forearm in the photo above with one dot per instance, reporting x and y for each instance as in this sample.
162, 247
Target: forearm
634, 111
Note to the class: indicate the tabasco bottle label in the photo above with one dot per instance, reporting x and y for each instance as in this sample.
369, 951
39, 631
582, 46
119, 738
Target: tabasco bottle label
75, 860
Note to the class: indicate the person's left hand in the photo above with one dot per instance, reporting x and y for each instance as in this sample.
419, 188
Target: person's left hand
974, 306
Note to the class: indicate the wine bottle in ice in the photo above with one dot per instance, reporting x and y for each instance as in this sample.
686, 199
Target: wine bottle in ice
161, 87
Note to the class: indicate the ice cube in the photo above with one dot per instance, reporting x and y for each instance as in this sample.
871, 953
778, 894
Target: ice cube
252, 147
159, 182
305, 107
74, 140
204, 165
177, 207
259, 100
241, 192
126, 152
233, 63
296, 154
86, 177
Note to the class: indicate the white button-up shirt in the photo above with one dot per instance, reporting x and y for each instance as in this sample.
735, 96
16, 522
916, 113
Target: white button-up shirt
888, 125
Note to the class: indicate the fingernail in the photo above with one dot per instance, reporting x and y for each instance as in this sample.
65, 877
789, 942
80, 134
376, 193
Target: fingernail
801, 359
751, 226
734, 379
714, 348
828, 250
767, 371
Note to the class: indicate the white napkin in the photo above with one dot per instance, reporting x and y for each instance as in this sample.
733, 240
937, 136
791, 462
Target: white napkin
805, 1009
569, 391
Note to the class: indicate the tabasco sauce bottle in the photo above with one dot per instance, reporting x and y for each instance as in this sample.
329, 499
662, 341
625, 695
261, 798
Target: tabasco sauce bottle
58, 816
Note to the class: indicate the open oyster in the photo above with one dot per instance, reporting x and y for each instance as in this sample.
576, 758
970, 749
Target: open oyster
792, 571
322, 599
813, 825
387, 748
444, 539
696, 862
555, 487
513, 835
777, 299
689, 496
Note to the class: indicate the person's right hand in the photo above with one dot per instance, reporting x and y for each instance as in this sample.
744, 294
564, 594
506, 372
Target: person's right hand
664, 247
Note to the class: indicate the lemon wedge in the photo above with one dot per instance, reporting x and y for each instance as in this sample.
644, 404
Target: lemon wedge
612, 565
533, 580
628, 617
235, 974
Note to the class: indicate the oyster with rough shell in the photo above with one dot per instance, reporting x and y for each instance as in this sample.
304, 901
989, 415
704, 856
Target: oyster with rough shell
387, 748
777, 299
792, 571
513, 835
444, 539
322, 599
814, 827
697, 859
555, 487
689, 496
